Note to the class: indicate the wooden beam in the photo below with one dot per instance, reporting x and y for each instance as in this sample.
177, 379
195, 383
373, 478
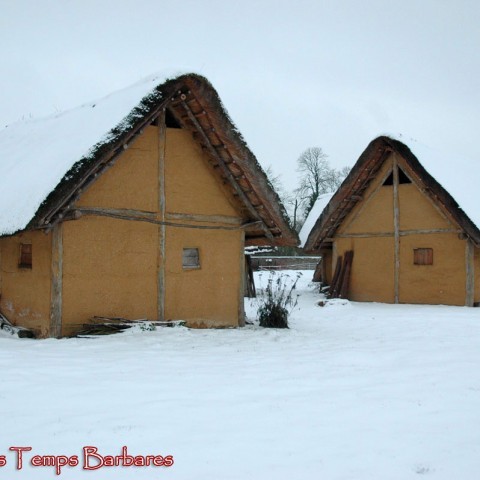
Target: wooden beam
204, 218
56, 288
161, 283
469, 274
125, 213
402, 233
396, 231
1, 268
241, 288
98, 166
334, 258
226, 171
150, 217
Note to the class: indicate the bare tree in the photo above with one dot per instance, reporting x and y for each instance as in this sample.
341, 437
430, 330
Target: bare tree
316, 177
275, 180
289, 199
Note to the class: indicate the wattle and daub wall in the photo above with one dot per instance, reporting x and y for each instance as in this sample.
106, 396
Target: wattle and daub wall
111, 266
368, 230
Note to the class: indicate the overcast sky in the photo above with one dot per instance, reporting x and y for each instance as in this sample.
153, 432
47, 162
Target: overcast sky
292, 74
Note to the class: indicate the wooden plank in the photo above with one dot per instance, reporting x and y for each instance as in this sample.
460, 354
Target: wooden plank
347, 269
324, 279
423, 256
334, 256
402, 233
121, 215
161, 283
241, 287
119, 212
56, 282
318, 274
250, 290
396, 231
1, 268
469, 273
204, 218
333, 292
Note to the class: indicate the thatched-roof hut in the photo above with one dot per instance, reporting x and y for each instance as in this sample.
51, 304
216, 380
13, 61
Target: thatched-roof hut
411, 241
138, 206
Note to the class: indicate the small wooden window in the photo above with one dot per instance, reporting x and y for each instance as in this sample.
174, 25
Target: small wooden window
423, 256
25, 255
191, 258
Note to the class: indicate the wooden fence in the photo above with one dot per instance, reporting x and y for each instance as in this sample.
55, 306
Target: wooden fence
284, 263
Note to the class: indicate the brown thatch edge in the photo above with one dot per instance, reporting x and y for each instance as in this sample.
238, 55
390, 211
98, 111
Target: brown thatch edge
349, 193
101, 156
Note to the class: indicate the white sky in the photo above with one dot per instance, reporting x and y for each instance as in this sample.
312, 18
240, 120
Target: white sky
292, 75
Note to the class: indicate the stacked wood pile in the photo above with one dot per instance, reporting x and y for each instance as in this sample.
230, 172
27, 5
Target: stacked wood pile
112, 325
341, 278
20, 332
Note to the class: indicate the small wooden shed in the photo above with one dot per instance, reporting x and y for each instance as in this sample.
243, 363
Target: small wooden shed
137, 206
404, 237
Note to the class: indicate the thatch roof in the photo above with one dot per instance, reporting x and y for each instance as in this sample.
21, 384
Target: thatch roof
45, 164
454, 175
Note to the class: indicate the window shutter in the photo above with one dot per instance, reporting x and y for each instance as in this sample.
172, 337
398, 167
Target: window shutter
423, 256
191, 258
25, 255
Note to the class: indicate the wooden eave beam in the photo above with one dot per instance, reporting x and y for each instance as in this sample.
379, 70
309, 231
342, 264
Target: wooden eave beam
98, 167
224, 168
353, 195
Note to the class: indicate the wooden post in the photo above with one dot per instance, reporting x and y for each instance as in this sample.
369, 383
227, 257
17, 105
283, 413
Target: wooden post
324, 279
1, 269
241, 288
56, 282
396, 232
344, 287
334, 256
469, 273
162, 131
336, 280
318, 272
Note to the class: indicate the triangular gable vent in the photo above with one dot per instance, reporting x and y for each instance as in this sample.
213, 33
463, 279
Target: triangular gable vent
402, 178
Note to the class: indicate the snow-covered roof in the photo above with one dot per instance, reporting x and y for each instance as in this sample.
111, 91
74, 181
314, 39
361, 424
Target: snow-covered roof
450, 178
45, 163
36, 154
313, 215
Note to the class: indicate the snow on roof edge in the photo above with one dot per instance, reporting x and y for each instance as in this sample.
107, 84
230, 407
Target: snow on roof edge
312, 217
60, 142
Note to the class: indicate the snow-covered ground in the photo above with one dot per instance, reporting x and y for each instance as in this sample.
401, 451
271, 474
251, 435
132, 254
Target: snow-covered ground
350, 391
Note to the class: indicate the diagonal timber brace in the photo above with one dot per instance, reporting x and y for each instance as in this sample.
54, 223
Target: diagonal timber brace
226, 171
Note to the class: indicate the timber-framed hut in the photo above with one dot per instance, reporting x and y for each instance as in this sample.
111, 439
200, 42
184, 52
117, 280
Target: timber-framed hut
135, 206
393, 233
